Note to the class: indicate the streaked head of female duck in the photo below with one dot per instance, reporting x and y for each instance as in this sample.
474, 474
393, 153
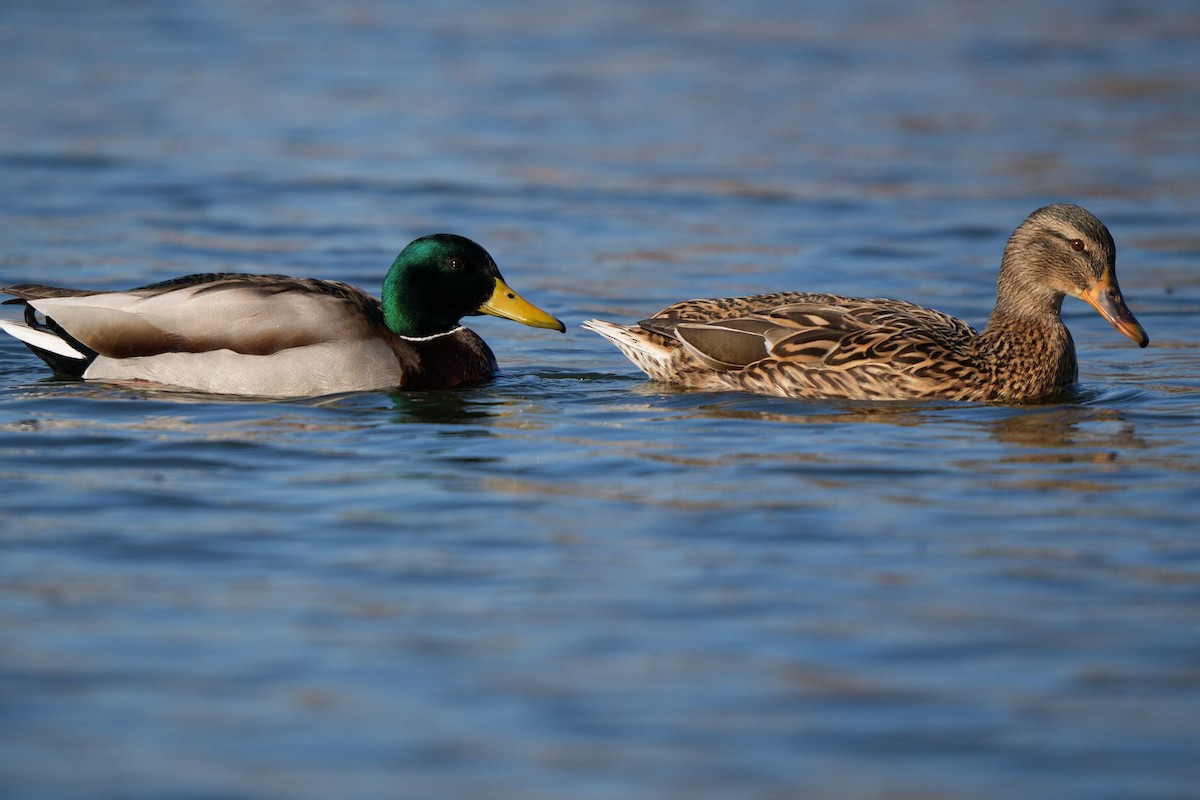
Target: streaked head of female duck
1063, 250
439, 279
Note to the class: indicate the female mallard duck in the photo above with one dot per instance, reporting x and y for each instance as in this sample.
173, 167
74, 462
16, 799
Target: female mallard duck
797, 344
278, 336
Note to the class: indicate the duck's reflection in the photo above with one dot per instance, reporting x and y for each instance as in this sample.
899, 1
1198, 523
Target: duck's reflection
1085, 419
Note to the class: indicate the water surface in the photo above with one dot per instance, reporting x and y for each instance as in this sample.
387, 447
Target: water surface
570, 582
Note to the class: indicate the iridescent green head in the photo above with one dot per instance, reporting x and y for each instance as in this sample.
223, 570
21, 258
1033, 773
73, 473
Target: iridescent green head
439, 279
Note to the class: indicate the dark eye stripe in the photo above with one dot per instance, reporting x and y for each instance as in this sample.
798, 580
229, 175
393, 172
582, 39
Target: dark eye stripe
1075, 243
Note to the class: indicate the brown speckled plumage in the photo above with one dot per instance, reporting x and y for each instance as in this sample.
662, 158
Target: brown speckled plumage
798, 344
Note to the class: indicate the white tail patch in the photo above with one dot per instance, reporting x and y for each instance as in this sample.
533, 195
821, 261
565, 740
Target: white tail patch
610, 331
651, 358
43, 340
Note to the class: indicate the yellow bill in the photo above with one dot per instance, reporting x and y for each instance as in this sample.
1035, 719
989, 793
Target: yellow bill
506, 303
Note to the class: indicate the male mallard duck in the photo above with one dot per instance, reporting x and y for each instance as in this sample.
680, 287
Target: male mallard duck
279, 336
797, 344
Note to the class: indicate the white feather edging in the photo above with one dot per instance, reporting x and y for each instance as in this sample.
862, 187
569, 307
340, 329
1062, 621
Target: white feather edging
42, 340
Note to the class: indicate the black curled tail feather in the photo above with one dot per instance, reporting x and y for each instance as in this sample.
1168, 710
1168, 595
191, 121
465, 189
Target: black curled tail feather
62, 365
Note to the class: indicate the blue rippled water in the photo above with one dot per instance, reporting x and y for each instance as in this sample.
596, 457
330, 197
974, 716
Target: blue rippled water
570, 582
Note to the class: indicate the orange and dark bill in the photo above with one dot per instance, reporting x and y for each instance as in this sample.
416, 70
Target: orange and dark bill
1106, 298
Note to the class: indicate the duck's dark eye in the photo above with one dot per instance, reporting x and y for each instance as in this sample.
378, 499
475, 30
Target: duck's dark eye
456, 264
1078, 246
